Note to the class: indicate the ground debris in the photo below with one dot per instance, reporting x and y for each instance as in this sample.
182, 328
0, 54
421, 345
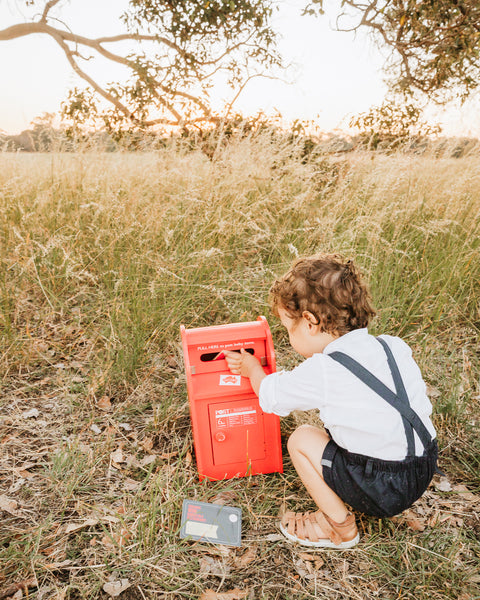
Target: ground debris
115, 588
9, 505
235, 594
21, 586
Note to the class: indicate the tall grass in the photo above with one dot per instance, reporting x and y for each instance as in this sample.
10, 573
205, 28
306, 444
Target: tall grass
130, 246
105, 255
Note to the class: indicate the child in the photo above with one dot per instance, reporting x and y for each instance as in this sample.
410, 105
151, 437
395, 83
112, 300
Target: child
378, 452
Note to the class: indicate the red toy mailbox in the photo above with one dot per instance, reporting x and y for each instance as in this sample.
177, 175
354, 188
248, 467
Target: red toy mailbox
233, 437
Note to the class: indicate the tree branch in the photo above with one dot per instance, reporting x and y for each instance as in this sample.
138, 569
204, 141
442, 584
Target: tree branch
22, 29
98, 88
155, 81
61, 36
49, 5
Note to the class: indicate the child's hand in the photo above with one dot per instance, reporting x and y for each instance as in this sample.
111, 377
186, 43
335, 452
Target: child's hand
242, 363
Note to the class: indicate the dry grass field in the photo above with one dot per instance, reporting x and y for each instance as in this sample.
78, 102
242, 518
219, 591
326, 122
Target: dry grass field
104, 256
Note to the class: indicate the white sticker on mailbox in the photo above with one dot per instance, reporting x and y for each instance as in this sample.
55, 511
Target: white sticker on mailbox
230, 379
236, 417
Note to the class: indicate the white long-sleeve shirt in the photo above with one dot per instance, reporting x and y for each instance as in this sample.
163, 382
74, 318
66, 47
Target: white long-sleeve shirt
357, 418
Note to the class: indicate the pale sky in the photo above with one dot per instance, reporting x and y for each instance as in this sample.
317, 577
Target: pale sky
333, 75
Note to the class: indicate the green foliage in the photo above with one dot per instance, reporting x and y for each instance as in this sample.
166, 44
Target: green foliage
434, 45
391, 125
172, 52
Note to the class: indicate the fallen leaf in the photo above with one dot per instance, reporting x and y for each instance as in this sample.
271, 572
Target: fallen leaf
274, 537
167, 455
59, 565
118, 538
131, 485
443, 485
17, 485
188, 458
171, 362
210, 566
107, 542
33, 413
434, 519
104, 404
21, 585
224, 497
72, 527
235, 594
8, 505
303, 568
247, 557
433, 392
415, 524
95, 428
115, 588
147, 460
310, 557
24, 474
117, 456
466, 493
122, 537
147, 444
110, 519
224, 551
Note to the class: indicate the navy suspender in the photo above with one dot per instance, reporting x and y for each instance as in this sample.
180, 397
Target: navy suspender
402, 396
399, 400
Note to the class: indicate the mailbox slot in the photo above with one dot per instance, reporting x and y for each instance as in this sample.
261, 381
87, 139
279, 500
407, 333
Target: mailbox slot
209, 358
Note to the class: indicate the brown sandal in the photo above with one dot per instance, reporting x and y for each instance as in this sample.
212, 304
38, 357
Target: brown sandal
304, 528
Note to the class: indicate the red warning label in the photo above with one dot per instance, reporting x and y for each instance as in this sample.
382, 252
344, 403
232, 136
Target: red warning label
236, 417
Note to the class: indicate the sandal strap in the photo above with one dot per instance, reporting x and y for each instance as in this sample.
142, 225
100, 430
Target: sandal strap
303, 526
326, 525
288, 519
311, 532
299, 525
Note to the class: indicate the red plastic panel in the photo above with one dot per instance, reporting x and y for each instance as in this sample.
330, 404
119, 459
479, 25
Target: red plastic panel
231, 434
237, 432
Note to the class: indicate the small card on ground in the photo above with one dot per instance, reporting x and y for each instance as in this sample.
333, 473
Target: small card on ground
211, 523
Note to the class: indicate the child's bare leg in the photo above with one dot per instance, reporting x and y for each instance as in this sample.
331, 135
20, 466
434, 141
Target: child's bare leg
306, 446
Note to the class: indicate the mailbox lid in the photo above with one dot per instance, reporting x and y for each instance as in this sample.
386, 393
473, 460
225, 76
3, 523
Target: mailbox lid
202, 344
237, 431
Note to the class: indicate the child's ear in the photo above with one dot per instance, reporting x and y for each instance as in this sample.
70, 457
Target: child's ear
311, 322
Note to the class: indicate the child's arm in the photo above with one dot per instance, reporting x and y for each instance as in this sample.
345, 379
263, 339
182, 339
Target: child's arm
243, 363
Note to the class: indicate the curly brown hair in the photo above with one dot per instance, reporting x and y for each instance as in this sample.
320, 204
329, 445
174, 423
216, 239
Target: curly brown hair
327, 286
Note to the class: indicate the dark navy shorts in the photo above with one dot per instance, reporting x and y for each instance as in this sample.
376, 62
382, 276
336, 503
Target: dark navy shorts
380, 488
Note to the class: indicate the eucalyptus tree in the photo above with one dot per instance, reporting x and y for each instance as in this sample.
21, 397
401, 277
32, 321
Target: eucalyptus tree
171, 50
432, 47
